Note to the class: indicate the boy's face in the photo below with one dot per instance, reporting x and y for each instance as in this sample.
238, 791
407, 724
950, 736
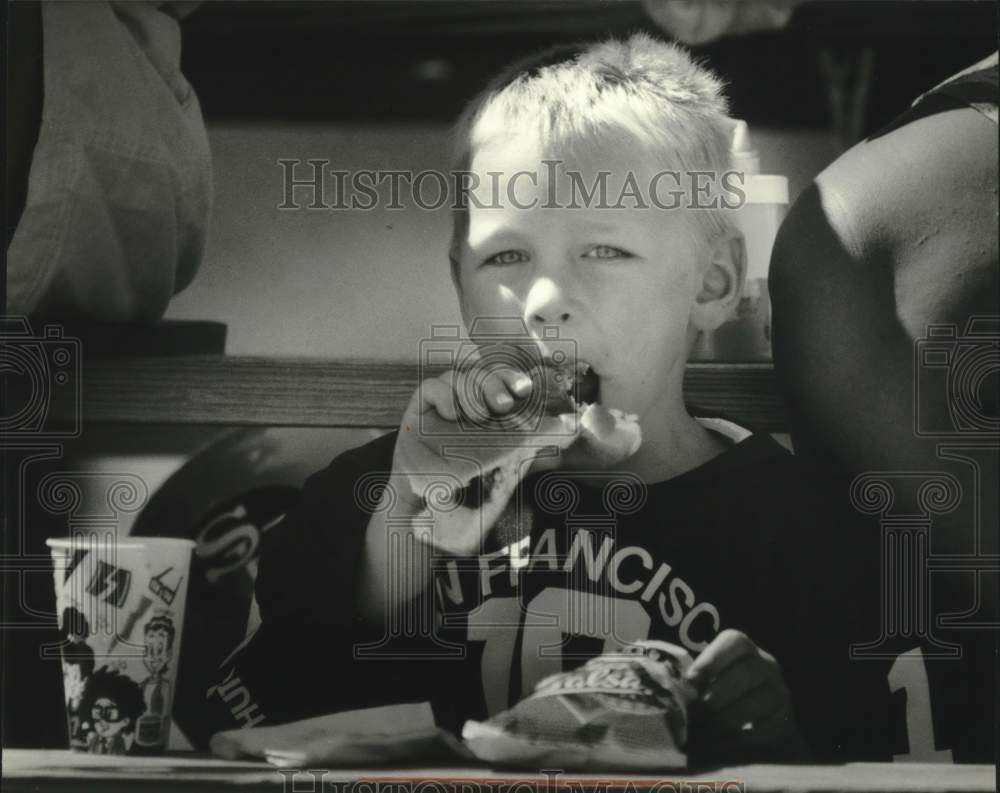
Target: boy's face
620, 283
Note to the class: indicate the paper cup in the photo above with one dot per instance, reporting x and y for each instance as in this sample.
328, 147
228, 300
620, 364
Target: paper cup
121, 614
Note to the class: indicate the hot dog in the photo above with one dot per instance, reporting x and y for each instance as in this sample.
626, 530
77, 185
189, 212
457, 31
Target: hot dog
562, 413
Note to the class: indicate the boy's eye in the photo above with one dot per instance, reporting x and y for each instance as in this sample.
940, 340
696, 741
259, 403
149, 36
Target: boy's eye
507, 257
607, 252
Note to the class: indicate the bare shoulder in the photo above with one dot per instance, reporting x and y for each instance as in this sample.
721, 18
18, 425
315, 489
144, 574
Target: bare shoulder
917, 204
939, 168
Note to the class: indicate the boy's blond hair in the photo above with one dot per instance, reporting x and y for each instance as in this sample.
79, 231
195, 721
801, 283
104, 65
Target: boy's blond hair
641, 88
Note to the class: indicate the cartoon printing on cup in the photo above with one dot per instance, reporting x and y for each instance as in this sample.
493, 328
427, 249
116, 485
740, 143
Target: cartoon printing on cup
102, 716
103, 705
159, 639
118, 648
78, 666
112, 701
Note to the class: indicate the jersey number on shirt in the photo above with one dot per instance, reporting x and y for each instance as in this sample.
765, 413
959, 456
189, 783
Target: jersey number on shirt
909, 673
551, 615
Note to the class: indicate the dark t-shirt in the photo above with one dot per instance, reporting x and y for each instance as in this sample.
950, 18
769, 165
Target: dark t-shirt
871, 276
739, 542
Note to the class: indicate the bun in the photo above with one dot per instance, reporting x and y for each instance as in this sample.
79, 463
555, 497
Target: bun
587, 434
607, 436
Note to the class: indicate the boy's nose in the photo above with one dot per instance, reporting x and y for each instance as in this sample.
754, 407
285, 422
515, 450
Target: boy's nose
549, 320
546, 304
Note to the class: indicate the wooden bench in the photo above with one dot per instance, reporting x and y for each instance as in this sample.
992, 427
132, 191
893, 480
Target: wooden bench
236, 390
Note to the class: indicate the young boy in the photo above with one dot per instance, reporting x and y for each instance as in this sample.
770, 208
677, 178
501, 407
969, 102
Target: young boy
550, 542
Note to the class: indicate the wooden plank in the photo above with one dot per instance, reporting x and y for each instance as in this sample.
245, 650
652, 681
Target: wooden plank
235, 390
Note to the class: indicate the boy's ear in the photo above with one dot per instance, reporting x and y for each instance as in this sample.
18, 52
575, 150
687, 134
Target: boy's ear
721, 282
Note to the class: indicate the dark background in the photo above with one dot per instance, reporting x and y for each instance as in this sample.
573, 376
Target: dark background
389, 60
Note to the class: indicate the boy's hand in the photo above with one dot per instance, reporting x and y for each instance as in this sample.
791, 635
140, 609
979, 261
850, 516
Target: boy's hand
501, 457
743, 712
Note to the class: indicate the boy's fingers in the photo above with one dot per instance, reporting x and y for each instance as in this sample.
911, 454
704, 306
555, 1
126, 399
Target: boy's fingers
437, 393
725, 649
496, 393
467, 388
518, 383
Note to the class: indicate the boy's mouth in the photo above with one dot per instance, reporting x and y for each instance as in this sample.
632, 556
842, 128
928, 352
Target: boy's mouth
568, 387
587, 385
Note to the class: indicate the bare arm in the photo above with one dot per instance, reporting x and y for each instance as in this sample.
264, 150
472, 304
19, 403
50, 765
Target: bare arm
897, 234
445, 504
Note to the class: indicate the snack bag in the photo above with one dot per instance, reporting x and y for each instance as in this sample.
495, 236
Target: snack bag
625, 710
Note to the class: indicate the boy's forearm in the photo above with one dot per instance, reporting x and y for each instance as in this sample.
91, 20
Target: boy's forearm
395, 565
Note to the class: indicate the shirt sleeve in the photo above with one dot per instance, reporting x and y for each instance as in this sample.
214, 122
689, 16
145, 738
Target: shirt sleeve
302, 661
309, 563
